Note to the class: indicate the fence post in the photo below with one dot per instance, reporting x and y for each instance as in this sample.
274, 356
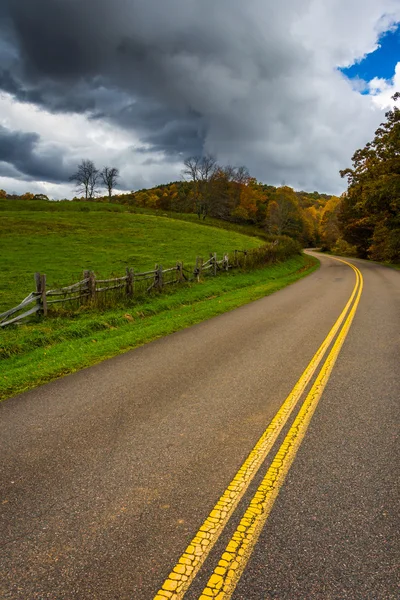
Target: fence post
85, 287
215, 263
156, 273
43, 294
179, 269
226, 262
160, 278
38, 285
129, 282
92, 285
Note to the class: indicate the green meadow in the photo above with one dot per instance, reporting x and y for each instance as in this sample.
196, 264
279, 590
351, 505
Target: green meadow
64, 242
102, 238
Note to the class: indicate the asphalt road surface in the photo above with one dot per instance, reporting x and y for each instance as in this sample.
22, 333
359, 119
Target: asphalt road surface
107, 475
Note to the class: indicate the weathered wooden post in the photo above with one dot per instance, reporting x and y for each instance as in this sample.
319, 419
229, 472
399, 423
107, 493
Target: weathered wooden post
37, 286
129, 283
85, 286
215, 263
160, 278
40, 284
226, 262
196, 269
156, 275
92, 285
43, 293
179, 269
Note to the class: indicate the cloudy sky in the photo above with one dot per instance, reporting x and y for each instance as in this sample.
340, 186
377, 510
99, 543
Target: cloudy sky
290, 88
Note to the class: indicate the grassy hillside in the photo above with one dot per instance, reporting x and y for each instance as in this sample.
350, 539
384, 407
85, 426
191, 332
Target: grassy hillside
62, 239
68, 238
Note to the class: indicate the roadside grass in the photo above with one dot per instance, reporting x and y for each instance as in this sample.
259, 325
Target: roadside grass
61, 240
37, 353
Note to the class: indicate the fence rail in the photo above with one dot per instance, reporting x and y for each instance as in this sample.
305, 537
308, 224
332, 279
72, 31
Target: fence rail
94, 291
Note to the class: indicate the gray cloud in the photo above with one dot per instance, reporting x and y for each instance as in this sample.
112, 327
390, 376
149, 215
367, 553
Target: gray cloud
252, 82
22, 158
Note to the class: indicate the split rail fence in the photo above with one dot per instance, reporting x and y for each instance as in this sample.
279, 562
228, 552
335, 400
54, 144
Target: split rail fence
94, 292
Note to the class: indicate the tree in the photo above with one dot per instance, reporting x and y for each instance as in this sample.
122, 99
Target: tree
329, 226
86, 178
284, 215
200, 170
251, 196
370, 210
109, 177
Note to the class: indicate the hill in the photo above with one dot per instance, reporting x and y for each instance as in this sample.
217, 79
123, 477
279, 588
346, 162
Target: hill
62, 239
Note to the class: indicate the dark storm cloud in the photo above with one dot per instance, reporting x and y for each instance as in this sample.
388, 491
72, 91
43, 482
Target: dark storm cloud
22, 157
251, 81
166, 55
164, 129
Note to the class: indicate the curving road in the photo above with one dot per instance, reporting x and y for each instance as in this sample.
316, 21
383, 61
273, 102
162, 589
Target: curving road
106, 475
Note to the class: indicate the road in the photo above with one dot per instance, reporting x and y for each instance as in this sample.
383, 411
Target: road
107, 475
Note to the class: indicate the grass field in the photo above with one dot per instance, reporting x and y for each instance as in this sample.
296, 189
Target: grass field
63, 243
63, 239
35, 354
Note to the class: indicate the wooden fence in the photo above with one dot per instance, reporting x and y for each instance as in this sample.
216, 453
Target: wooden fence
93, 291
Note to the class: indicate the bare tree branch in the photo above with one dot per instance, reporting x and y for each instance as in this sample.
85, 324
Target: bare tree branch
86, 178
109, 177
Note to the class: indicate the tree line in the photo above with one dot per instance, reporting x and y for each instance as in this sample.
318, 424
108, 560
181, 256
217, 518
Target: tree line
209, 189
230, 193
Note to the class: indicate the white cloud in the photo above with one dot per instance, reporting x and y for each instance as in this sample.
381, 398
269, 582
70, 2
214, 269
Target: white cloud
383, 90
79, 137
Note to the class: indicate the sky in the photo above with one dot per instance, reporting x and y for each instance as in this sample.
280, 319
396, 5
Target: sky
289, 89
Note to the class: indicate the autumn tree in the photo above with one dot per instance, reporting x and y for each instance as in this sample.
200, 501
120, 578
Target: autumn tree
311, 222
329, 226
370, 210
284, 214
200, 171
86, 179
251, 196
225, 189
109, 177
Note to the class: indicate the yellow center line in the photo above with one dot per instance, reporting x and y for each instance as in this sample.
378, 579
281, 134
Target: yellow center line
188, 565
226, 575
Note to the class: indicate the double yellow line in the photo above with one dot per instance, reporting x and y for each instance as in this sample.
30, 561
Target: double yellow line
227, 573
